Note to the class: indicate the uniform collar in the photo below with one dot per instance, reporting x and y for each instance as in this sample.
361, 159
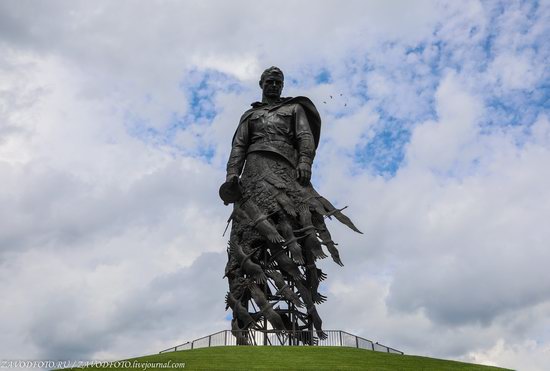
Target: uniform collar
265, 105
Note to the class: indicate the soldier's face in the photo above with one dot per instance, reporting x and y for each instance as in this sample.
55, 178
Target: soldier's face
272, 86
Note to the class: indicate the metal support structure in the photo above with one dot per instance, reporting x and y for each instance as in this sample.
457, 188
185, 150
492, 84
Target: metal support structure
299, 320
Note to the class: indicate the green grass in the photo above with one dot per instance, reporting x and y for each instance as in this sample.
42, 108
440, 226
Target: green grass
296, 358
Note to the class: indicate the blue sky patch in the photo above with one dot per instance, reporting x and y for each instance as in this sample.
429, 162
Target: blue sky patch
323, 77
385, 152
200, 87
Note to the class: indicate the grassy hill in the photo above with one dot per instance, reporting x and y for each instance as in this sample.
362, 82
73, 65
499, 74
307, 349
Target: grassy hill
290, 358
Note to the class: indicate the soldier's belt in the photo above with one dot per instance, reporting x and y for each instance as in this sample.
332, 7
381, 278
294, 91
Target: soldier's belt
282, 148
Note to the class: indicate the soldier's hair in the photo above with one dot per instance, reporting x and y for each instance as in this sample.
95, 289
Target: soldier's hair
272, 71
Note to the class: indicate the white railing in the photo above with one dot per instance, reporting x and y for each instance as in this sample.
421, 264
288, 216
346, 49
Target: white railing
283, 338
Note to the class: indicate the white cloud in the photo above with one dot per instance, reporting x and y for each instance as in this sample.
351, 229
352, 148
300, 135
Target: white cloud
443, 145
515, 71
527, 355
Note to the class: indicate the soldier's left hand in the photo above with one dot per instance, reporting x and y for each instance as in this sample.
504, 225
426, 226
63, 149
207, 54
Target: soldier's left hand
304, 173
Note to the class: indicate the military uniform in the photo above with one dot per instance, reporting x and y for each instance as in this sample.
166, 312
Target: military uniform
283, 128
278, 223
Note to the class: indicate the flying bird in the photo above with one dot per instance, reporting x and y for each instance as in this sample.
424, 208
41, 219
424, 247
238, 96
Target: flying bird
262, 224
290, 240
312, 280
336, 212
247, 265
318, 323
266, 308
326, 238
285, 263
312, 243
239, 310
286, 204
284, 289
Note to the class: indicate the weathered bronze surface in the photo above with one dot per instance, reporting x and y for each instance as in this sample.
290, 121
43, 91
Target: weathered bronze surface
278, 219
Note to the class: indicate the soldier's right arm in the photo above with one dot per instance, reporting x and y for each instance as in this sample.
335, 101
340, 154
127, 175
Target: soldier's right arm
240, 144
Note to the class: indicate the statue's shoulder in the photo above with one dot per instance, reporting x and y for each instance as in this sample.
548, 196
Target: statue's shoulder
299, 100
305, 102
247, 113
287, 101
312, 114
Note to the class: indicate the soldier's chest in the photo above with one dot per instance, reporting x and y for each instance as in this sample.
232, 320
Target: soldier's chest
271, 120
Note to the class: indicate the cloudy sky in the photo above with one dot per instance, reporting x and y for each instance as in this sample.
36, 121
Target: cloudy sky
115, 127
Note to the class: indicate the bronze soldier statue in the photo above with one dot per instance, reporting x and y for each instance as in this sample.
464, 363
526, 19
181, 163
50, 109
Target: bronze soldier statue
278, 219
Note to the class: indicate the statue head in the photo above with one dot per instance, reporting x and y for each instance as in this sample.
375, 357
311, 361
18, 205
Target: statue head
272, 82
